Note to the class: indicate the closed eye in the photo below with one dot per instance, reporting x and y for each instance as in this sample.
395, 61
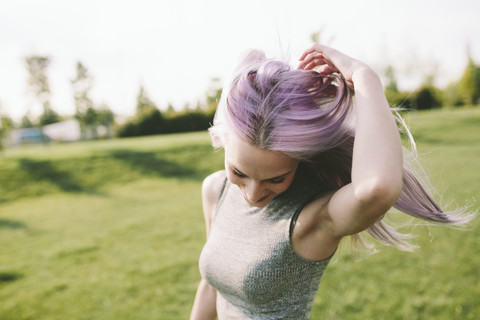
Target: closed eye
276, 180
238, 173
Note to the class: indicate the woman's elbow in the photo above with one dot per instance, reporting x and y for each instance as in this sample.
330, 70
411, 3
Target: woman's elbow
379, 193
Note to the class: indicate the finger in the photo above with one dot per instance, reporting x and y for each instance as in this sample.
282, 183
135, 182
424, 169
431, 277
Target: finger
305, 53
325, 70
317, 67
311, 55
328, 54
314, 48
313, 58
311, 64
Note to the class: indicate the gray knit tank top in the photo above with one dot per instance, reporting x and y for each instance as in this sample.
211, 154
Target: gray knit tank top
249, 258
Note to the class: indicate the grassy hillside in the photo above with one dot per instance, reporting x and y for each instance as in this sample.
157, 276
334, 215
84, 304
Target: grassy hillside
440, 279
113, 230
102, 230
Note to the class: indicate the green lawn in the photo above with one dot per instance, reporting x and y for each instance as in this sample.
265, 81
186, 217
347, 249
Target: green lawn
113, 230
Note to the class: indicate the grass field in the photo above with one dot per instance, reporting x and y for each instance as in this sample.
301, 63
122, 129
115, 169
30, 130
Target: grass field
113, 230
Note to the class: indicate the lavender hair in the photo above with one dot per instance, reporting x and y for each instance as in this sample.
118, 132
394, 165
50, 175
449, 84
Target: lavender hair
308, 116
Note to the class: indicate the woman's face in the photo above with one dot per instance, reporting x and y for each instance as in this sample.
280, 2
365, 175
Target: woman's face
260, 174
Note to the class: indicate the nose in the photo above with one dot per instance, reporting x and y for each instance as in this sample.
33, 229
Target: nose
253, 190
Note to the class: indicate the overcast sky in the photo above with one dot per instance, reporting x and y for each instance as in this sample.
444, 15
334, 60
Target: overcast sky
174, 48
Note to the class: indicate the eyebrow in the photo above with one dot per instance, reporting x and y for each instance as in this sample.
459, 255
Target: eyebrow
277, 177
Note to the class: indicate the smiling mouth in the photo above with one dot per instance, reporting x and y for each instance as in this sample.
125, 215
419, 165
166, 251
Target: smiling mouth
257, 200
262, 199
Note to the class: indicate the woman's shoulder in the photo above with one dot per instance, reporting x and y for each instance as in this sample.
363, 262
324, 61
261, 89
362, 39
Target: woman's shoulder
212, 186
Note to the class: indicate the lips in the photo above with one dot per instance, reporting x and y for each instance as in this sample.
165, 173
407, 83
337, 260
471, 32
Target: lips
262, 199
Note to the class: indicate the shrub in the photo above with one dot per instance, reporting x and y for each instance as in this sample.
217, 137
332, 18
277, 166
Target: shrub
397, 99
150, 121
427, 97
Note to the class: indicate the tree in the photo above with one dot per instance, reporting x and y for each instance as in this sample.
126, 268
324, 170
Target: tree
451, 96
39, 86
391, 80
26, 121
6, 124
85, 112
396, 98
106, 118
214, 94
469, 85
148, 119
144, 103
48, 116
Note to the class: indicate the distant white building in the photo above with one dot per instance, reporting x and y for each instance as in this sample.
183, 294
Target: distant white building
68, 130
64, 131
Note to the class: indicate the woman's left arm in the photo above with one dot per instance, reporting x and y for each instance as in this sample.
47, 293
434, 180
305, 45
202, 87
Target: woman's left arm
377, 156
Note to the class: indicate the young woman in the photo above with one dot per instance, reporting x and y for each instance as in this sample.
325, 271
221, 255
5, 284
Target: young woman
312, 155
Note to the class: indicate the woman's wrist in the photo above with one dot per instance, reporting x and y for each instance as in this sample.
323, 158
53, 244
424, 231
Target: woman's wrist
364, 72
366, 76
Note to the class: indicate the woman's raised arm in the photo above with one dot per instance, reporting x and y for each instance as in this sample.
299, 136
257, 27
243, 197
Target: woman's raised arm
377, 156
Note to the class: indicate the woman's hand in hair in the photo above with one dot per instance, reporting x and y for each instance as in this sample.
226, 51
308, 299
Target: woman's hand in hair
326, 60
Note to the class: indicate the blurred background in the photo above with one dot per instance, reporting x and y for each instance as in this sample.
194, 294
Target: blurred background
61, 59
104, 107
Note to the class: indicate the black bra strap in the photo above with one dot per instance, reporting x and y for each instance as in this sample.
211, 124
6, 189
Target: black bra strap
293, 222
